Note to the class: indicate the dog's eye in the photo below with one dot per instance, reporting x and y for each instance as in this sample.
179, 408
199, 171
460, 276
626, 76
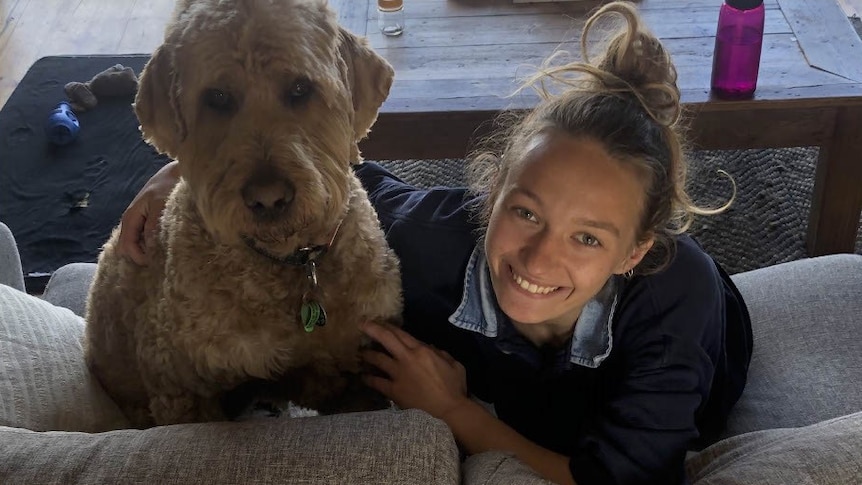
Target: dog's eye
219, 100
299, 92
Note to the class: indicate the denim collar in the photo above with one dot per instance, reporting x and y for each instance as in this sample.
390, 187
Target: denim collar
479, 312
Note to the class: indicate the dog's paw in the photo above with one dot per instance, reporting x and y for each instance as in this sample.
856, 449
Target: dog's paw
355, 397
253, 399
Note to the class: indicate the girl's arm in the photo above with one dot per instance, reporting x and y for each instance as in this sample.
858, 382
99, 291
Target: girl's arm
478, 430
422, 377
141, 219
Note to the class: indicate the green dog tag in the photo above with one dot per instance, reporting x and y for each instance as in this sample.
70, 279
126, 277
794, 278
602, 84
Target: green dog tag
313, 315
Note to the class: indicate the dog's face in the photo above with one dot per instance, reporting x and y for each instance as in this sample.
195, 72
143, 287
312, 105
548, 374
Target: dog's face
263, 103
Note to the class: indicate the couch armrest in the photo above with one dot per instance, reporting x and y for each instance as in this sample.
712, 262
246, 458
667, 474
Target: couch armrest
69, 285
382, 447
807, 361
11, 273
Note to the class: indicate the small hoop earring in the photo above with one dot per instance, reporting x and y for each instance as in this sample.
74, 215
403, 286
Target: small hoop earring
628, 274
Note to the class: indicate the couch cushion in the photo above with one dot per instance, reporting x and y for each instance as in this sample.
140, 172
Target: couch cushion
498, 468
44, 382
827, 453
11, 273
807, 362
69, 286
382, 447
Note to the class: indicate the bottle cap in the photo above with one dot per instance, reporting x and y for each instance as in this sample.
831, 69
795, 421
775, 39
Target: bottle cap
390, 4
744, 4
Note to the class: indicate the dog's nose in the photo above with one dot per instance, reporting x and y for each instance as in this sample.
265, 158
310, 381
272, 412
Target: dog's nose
268, 197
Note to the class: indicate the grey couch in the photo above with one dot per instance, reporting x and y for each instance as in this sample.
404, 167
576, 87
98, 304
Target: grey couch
799, 420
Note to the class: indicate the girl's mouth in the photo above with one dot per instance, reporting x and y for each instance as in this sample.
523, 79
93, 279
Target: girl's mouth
531, 287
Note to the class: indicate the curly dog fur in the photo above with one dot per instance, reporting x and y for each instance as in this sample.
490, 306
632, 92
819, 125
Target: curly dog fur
262, 103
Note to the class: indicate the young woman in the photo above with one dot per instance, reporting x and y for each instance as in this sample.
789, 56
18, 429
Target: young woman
560, 288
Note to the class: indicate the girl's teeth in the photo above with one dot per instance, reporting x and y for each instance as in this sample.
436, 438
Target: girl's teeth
532, 287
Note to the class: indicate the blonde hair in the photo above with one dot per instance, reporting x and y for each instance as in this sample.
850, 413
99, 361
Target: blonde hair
628, 100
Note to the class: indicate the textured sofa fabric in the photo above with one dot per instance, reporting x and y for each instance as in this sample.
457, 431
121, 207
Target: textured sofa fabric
11, 273
825, 453
68, 286
807, 360
498, 468
384, 447
44, 382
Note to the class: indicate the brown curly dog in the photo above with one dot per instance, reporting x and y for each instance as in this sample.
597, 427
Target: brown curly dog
269, 253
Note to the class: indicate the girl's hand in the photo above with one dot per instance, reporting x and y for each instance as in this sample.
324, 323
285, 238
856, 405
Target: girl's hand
140, 221
417, 375
422, 377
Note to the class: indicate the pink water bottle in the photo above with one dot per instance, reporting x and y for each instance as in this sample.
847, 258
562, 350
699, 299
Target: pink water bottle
738, 42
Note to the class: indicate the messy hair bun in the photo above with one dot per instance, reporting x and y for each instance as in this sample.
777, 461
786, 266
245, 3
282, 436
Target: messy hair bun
631, 61
626, 98
635, 61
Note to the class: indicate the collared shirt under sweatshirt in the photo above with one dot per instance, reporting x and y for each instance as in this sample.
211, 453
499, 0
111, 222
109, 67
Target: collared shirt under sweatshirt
652, 369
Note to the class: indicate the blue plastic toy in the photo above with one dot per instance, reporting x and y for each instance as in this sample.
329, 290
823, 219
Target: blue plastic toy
62, 126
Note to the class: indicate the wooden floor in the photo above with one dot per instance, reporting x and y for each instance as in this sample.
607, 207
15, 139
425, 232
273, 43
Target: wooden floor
32, 29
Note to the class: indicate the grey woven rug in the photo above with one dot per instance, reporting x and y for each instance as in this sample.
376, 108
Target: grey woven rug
765, 225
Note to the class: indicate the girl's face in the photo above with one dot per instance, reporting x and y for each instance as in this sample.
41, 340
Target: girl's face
564, 222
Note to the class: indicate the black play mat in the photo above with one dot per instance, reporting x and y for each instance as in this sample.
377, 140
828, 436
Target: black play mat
62, 202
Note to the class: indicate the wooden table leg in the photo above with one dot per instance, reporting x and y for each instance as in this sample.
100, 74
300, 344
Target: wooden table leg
837, 198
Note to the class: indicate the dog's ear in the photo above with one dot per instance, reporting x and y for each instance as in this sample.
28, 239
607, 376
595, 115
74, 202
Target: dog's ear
368, 77
157, 103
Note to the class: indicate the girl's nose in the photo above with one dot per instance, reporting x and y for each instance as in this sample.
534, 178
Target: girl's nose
542, 253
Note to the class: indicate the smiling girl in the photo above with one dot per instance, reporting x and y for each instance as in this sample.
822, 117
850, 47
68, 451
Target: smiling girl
562, 289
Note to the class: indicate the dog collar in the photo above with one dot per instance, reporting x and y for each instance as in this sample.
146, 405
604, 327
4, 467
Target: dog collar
311, 311
302, 256
309, 254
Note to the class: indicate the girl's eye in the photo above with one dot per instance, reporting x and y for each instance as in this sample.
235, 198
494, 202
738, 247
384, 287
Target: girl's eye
588, 240
526, 214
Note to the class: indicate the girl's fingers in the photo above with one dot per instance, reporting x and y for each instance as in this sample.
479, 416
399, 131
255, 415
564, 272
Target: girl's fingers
381, 361
131, 236
151, 225
408, 340
379, 384
383, 336
393, 339
445, 355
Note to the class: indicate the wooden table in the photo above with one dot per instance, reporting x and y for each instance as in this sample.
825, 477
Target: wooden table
458, 59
